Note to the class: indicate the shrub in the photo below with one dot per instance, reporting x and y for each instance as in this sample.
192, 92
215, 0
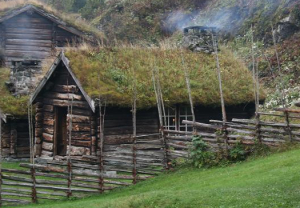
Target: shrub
201, 156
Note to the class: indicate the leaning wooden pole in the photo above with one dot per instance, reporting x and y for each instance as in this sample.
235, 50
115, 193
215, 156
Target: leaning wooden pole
160, 114
254, 69
69, 194
31, 141
224, 116
255, 88
101, 140
279, 67
188, 85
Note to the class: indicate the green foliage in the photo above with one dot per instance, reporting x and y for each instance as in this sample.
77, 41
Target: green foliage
115, 68
92, 8
201, 155
9, 104
238, 153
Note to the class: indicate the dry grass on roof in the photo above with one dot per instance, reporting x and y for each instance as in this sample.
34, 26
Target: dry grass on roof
72, 19
111, 71
9, 104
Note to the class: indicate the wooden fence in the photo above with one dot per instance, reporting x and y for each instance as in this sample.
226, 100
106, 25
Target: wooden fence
222, 136
120, 166
137, 159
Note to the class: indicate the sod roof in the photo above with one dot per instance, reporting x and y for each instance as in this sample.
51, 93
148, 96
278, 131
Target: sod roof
111, 73
73, 21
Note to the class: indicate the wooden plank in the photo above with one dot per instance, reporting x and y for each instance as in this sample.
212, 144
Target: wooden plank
28, 42
32, 54
63, 96
28, 31
46, 26
28, 48
202, 125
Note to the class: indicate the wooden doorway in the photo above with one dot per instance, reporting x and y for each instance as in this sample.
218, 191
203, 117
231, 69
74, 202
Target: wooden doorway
60, 138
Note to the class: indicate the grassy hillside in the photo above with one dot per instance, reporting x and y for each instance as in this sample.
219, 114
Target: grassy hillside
273, 181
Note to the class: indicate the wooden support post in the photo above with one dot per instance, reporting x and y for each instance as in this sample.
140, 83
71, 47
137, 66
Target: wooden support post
33, 189
288, 127
13, 139
0, 161
70, 112
134, 171
101, 149
69, 192
165, 143
258, 127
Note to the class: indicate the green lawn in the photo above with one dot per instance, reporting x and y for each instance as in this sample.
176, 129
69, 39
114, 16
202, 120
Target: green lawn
273, 181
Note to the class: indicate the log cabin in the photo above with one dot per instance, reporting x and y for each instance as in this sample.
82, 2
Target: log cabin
78, 80
29, 36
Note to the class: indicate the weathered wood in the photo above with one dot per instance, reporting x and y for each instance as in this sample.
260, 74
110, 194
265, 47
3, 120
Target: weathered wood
65, 88
79, 119
47, 146
48, 122
47, 137
48, 108
272, 124
202, 125
118, 139
48, 129
80, 127
66, 103
63, 96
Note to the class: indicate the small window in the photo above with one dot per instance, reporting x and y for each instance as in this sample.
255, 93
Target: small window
175, 116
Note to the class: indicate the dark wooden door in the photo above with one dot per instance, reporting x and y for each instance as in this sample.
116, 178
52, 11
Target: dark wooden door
60, 142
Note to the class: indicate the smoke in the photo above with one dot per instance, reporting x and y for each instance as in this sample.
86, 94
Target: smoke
227, 17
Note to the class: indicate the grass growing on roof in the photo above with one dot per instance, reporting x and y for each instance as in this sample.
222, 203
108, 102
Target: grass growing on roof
74, 20
9, 104
116, 66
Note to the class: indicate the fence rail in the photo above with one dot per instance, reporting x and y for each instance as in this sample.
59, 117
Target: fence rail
123, 164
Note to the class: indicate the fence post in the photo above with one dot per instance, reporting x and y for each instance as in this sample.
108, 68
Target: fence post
225, 138
134, 172
165, 144
0, 161
288, 127
258, 127
33, 190
101, 148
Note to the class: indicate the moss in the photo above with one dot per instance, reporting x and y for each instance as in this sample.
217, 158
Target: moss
116, 67
9, 104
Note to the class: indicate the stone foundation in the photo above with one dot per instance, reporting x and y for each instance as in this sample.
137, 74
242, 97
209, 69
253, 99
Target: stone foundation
23, 77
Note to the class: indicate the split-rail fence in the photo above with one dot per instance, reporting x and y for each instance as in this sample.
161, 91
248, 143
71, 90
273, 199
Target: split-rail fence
141, 158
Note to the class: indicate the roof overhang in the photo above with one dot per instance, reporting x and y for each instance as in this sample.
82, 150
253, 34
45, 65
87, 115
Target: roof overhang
61, 58
45, 14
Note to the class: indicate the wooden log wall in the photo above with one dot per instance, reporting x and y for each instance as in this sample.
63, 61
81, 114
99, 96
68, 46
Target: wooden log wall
58, 94
244, 131
15, 142
118, 141
32, 36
